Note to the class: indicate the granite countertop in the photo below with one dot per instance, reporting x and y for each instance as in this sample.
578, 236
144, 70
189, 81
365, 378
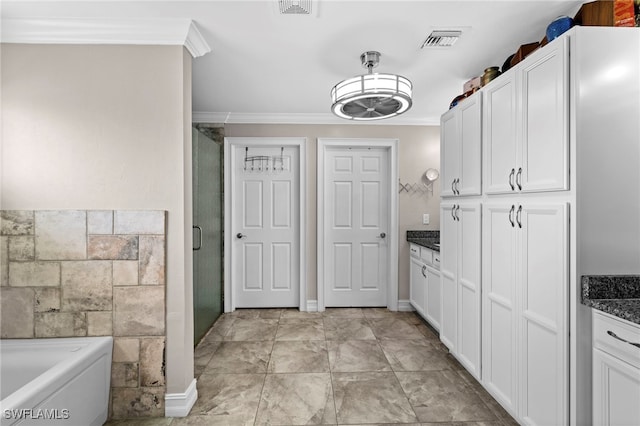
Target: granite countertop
427, 239
618, 295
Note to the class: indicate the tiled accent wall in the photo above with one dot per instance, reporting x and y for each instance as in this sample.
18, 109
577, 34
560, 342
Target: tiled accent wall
68, 273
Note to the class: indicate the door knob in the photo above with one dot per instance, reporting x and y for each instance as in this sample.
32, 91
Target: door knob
382, 235
240, 235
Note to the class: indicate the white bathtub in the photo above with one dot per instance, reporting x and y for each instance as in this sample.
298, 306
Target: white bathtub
62, 381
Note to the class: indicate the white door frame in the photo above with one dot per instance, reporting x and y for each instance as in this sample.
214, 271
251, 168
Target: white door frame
392, 268
229, 190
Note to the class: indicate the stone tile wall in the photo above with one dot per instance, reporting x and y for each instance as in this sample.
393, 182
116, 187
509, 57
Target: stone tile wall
66, 273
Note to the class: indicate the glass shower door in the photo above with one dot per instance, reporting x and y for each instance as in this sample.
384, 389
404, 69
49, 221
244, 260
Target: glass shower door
208, 225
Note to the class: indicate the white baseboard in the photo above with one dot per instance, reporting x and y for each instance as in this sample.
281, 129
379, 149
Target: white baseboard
312, 306
404, 305
179, 404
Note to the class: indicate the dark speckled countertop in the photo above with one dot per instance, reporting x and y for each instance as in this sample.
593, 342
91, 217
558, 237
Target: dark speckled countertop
618, 295
428, 239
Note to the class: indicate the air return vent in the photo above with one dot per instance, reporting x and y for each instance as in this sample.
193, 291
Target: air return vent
442, 38
295, 7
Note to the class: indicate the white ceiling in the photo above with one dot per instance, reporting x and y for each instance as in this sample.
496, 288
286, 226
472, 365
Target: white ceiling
267, 67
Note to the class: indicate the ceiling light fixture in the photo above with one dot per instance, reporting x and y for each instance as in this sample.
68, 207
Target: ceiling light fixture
372, 96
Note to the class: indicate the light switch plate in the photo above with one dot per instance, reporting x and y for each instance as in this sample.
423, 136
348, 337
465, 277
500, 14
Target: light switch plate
425, 219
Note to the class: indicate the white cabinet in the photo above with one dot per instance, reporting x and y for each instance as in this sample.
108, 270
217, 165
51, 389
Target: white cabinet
525, 306
417, 280
433, 302
460, 277
461, 148
499, 321
567, 104
424, 283
525, 117
616, 371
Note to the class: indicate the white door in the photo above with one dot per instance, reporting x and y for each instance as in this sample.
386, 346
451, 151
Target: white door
356, 224
468, 291
470, 143
545, 111
265, 226
449, 152
543, 298
499, 303
432, 305
500, 137
449, 273
616, 391
417, 284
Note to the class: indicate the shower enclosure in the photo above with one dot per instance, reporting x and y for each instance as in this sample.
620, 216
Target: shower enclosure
208, 227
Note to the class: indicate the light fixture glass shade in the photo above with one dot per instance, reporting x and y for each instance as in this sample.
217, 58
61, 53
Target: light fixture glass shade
371, 97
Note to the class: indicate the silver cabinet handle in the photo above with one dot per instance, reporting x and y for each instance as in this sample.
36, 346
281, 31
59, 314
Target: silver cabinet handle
511, 216
424, 268
457, 209
518, 217
382, 235
453, 182
240, 235
615, 336
453, 210
199, 237
457, 188
519, 179
511, 179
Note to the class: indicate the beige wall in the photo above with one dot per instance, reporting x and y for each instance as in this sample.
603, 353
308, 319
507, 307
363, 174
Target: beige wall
419, 149
106, 128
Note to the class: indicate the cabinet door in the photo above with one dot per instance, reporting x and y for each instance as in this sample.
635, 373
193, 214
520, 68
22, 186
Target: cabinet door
469, 117
543, 285
616, 391
449, 152
500, 134
448, 274
417, 278
468, 287
433, 301
499, 303
544, 157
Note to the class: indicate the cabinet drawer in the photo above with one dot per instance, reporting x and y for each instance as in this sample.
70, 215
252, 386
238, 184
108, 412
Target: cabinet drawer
436, 260
426, 255
613, 336
414, 250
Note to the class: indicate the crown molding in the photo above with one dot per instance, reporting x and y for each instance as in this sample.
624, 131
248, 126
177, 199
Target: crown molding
301, 118
152, 31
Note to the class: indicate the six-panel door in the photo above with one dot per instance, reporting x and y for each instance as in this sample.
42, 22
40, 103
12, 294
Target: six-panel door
356, 226
266, 228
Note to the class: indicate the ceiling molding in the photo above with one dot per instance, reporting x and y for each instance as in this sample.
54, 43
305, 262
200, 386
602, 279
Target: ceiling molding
151, 31
301, 118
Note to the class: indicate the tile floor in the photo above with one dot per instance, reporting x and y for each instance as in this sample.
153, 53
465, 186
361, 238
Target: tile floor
343, 366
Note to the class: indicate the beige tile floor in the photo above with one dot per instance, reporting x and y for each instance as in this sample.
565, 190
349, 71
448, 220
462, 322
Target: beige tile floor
343, 366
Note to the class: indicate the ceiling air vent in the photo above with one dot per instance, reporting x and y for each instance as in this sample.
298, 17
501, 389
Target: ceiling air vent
295, 7
441, 38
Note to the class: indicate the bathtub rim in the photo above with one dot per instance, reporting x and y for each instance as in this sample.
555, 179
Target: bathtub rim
94, 348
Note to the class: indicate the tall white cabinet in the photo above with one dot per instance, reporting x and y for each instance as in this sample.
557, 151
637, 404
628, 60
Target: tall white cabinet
560, 198
460, 230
